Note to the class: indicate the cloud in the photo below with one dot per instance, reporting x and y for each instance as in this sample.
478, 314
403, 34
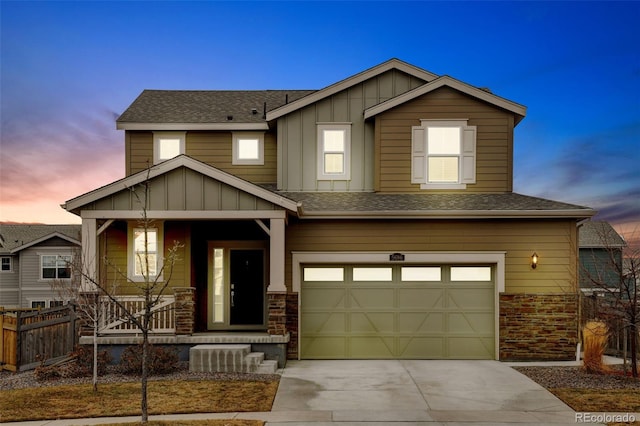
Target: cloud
46, 162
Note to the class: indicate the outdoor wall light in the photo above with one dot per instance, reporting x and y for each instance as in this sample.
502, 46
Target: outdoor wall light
534, 260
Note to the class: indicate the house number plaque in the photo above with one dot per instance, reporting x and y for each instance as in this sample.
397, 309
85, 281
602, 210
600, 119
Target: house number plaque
396, 257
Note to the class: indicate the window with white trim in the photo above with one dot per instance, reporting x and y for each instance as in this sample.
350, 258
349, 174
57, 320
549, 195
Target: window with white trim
6, 265
145, 248
334, 151
443, 154
167, 145
248, 148
55, 266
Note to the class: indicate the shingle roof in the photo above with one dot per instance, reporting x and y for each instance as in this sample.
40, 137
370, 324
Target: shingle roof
13, 236
206, 106
599, 234
488, 205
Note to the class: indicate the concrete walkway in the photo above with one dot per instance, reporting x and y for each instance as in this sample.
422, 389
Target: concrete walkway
398, 393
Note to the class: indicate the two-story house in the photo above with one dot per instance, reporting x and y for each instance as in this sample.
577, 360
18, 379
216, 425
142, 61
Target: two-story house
373, 218
31, 258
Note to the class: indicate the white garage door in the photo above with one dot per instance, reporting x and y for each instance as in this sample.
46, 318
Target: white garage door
397, 311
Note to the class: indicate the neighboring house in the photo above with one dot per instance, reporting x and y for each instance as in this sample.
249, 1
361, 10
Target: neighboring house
601, 257
374, 218
31, 257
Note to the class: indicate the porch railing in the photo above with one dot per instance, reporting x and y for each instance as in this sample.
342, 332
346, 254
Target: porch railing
114, 321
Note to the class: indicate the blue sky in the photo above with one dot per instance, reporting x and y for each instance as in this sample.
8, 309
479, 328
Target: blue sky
68, 69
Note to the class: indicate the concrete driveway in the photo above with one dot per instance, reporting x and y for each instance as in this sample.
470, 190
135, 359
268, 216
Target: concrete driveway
412, 393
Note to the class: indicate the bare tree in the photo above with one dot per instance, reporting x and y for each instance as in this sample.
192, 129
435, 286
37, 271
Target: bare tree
610, 269
155, 272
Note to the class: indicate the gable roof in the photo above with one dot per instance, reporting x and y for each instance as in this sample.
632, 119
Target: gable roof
351, 81
16, 237
599, 234
75, 205
432, 206
519, 110
204, 109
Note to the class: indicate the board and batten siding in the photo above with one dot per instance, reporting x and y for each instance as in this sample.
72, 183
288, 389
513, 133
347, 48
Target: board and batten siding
555, 242
212, 148
494, 146
183, 189
297, 134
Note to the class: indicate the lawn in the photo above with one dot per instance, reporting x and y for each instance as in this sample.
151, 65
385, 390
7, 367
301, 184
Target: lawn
123, 399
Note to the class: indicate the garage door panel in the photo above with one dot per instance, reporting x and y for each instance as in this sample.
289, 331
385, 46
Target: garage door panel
421, 347
368, 297
421, 322
372, 347
372, 322
327, 322
317, 297
470, 348
470, 323
470, 298
324, 347
422, 298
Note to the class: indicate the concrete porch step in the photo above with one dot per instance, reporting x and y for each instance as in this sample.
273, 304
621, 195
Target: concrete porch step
228, 359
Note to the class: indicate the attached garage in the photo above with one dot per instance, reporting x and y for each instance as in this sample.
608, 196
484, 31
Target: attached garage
404, 311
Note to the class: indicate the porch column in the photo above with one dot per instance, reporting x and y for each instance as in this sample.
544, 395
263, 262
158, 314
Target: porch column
88, 262
276, 255
277, 291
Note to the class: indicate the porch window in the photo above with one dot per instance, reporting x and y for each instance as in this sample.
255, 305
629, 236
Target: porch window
334, 151
248, 148
218, 285
167, 145
55, 267
145, 253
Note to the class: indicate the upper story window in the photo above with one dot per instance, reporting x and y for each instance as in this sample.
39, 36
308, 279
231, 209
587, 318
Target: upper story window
334, 151
443, 154
248, 148
55, 266
145, 250
6, 264
167, 145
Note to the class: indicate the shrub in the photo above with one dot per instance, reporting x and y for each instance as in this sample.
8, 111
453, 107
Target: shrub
162, 360
594, 336
83, 366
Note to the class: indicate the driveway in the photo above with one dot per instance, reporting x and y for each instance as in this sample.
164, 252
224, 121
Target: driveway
413, 393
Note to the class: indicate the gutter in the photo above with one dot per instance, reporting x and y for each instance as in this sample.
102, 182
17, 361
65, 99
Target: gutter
448, 214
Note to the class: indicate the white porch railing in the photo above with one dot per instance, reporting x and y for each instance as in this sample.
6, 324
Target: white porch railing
114, 321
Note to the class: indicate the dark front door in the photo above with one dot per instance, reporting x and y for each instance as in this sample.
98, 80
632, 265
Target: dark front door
246, 287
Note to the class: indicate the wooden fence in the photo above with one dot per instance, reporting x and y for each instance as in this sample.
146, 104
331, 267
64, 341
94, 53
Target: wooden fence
28, 338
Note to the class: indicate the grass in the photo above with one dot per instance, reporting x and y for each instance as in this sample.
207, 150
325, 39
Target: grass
195, 423
123, 399
599, 400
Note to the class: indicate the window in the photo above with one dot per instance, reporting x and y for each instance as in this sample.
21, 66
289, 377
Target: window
248, 148
56, 303
145, 252
38, 304
372, 274
334, 151
55, 267
324, 274
421, 273
470, 273
5, 264
167, 145
443, 154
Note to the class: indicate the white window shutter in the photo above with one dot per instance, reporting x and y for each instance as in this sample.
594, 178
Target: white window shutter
418, 155
469, 154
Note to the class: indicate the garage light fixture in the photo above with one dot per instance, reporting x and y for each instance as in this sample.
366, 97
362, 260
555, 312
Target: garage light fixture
534, 260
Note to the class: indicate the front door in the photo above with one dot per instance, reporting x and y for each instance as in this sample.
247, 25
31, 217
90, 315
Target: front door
236, 290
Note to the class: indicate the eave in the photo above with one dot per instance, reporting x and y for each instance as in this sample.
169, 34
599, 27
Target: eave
191, 126
450, 214
45, 238
519, 110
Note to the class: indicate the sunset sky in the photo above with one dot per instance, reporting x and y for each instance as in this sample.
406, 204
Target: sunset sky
69, 69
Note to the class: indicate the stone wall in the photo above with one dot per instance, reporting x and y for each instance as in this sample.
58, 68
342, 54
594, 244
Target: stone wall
538, 326
292, 325
184, 310
277, 305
